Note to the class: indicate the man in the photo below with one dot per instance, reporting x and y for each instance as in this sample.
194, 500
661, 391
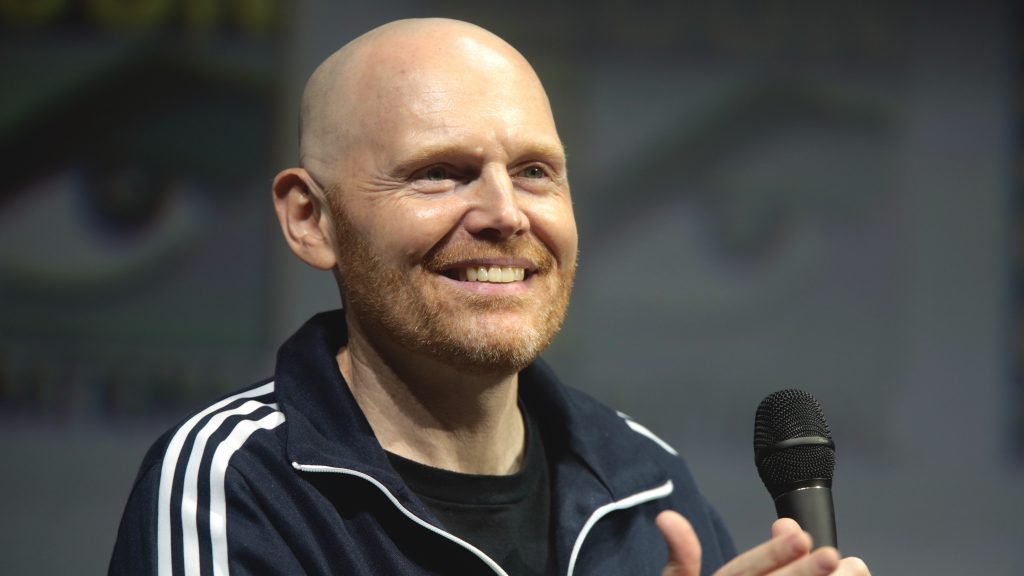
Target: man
416, 432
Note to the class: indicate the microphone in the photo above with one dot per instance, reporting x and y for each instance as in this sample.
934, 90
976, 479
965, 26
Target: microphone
795, 457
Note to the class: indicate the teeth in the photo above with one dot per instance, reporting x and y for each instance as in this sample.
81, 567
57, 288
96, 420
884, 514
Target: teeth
493, 274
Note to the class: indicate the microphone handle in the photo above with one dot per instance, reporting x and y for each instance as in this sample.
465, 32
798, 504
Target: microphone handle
811, 507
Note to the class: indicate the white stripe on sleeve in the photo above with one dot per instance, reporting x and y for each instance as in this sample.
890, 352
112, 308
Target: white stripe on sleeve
218, 469
171, 455
190, 491
643, 431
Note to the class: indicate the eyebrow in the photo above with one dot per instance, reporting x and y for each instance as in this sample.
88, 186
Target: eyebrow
431, 153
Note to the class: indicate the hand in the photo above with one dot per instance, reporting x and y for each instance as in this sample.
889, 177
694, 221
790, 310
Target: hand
787, 553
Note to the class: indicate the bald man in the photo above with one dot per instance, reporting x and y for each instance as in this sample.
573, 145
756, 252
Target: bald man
415, 431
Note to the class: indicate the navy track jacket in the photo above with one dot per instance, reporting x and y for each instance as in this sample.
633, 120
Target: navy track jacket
286, 477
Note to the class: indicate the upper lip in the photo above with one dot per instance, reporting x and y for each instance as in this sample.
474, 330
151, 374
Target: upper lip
500, 262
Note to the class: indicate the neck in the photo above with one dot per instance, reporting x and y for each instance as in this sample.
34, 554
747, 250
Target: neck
436, 415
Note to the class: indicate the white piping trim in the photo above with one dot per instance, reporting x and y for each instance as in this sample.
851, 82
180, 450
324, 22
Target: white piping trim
479, 553
173, 452
628, 502
218, 469
190, 492
643, 431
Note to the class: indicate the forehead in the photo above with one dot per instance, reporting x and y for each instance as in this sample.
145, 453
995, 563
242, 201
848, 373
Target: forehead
466, 89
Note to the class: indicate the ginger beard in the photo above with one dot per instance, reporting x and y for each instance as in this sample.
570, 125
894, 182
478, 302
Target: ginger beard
464, 330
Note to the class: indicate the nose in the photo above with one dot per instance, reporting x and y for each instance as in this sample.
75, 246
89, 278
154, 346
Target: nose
495, 210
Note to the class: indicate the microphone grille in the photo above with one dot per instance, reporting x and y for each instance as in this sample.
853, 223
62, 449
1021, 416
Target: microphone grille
785, 415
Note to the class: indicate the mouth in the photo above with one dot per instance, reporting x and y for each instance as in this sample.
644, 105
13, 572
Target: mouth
488, 274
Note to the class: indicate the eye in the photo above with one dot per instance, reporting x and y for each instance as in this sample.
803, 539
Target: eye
437, 178
533, 172
436, 174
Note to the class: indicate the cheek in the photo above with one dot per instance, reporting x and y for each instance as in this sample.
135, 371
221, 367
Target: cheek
555, 225
414, 228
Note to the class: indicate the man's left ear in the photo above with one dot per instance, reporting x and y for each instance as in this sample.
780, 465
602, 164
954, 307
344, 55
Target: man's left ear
302, 213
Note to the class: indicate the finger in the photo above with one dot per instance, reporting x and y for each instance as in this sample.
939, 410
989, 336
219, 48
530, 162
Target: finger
825, 561
853, 566
683, 546
822, 562
776, 553
784, 526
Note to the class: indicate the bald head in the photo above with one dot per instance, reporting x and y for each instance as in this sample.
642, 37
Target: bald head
429, 148
398, 67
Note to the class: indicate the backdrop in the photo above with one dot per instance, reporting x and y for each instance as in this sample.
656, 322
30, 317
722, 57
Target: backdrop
801, 194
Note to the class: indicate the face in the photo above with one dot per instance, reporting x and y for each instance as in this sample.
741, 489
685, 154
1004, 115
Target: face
453, 225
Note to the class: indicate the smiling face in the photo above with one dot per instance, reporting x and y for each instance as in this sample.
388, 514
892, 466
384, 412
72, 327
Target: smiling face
452, 222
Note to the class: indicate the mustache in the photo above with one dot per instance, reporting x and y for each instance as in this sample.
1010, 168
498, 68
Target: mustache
518, 248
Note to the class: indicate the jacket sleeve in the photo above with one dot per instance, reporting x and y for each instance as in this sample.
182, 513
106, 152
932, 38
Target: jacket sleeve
241, 526
135, 550
254, 539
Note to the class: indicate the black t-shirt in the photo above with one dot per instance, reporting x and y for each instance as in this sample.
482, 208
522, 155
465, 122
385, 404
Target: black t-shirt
508, 517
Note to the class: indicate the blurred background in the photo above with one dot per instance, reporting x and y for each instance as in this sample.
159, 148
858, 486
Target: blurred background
806, 194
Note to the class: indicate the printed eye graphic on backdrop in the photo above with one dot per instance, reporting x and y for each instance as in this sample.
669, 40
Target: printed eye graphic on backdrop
113, 176
764, 217
757, 188
132, 230
84, 229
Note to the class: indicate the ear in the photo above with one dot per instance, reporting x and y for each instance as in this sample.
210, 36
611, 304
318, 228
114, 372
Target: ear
304, 218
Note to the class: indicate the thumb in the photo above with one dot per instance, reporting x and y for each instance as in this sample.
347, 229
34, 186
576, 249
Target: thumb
683, 546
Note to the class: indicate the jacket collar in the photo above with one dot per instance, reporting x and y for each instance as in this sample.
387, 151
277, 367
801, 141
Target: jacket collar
326, 427
580, 427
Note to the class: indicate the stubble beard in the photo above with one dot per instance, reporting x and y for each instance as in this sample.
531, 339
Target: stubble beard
389, 304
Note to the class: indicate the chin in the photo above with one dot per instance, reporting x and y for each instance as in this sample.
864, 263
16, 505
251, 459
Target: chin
496, 354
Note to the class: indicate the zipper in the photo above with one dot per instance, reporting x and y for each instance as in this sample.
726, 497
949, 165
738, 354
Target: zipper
345, 471
627, 502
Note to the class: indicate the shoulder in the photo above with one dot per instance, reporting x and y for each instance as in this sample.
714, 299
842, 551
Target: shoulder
588, 419
223, 425
627, 440
637, 442
211, 436
621, 450
184, 476
194, 455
